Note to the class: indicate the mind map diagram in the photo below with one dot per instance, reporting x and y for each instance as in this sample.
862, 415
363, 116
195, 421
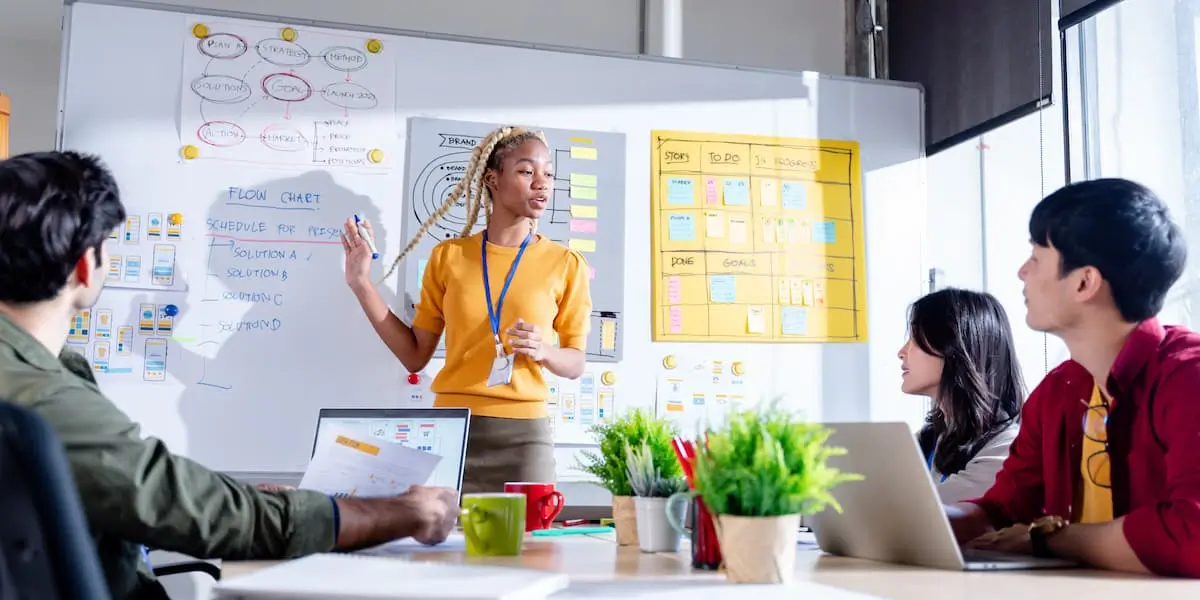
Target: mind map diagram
285, 96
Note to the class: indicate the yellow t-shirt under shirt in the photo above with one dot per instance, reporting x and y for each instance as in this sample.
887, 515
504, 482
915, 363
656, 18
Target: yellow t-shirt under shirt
1095, 500
550, 289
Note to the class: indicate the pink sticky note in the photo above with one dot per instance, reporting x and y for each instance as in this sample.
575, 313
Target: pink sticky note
583, 226
591, 272
676, 319
710, 190
673, 290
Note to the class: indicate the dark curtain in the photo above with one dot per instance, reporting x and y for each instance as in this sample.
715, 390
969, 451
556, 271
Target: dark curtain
983, 63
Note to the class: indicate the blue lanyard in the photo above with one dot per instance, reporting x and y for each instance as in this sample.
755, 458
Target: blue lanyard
494, 314
929, 461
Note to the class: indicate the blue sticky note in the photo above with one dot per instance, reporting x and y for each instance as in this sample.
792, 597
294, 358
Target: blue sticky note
679, 191
421, 264
681, 228
794, 320
824, 233
737, 192
722, 289
795, 195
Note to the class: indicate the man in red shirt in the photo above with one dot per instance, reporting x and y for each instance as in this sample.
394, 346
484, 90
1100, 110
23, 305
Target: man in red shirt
1106, 467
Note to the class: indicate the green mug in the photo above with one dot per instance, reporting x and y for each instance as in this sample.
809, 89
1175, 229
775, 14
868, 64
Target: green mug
494, 524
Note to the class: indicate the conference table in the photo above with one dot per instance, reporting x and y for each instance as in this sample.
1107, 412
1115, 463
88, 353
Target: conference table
596, 560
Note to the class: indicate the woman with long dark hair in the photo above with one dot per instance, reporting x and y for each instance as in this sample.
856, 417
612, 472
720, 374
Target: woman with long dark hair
960, 354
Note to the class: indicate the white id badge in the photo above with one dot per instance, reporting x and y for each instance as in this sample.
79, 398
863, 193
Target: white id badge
501, 371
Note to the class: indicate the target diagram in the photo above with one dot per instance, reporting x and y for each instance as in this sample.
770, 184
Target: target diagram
434, 182
286, 96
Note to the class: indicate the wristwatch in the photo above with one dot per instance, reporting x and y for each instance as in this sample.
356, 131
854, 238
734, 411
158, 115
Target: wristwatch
1040, 531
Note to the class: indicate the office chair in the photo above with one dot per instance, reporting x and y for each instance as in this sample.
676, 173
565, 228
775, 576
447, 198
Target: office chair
46, 549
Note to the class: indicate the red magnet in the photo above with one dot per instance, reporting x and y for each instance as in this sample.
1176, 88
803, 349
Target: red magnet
414, 379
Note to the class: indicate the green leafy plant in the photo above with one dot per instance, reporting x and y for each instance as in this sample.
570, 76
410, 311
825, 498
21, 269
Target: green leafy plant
610, 465
646, 478
767, 463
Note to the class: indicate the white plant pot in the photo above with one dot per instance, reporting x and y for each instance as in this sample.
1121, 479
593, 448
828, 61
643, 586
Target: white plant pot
654, 530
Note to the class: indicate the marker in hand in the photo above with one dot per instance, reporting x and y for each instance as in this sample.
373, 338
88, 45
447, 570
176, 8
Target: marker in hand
364, 234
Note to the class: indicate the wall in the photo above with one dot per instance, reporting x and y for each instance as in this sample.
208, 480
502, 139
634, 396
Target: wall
785, 34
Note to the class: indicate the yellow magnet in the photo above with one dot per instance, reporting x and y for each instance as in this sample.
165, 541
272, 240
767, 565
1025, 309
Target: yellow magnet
175, 219
200, 30
669, 361
190, 152
375, 156
288, 34
608, 378
374, 46
737, 368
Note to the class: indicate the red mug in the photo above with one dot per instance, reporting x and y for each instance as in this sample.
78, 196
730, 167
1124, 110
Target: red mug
542, 503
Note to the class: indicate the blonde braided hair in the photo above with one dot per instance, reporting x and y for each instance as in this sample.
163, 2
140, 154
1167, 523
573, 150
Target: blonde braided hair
488, 155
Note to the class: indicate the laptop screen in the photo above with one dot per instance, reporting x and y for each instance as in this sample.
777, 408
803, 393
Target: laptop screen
441, 431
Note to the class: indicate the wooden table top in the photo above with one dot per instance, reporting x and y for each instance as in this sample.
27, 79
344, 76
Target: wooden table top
597, 558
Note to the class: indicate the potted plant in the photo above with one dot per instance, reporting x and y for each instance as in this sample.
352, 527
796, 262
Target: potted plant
610, 465
757, 475
650, 492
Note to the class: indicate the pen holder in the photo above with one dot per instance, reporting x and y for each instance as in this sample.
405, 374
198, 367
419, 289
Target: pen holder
698, 526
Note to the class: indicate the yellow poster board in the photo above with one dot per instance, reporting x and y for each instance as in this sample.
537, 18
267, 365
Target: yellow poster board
756, 239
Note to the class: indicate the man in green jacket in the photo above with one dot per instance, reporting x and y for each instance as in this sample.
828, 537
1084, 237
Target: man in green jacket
56, 211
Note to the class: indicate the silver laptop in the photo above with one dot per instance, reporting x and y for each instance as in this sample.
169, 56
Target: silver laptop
894, 514
442, 431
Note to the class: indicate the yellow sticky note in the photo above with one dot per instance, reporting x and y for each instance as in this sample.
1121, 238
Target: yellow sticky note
583, 153
608, 334
798, 292
737, 230
583, 193
582, 245
583, 179
581, 140
583, 211
768, 192
714, 223
754, 320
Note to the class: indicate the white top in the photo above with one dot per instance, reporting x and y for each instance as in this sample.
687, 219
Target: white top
979, 474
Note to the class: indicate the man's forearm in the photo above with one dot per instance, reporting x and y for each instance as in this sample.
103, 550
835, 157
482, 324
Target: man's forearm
968, 521
1100, 545
369, 522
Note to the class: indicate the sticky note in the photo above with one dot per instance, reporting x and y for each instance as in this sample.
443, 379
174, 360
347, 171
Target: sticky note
680, 227
583, 211
591, 272
714, 224
793, 320
768, 193
797, 292
824, 233
737, 230
582, 245
583, 153
737, 192
768, 230
583, 193
679, 191
755, 323
711, 194
785, 292
583, 179
675, 319
674, 290
795, 195
608, 334
722, 289
583, 226
581, 140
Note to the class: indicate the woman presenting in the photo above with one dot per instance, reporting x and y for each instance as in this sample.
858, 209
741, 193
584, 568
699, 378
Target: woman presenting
496, 295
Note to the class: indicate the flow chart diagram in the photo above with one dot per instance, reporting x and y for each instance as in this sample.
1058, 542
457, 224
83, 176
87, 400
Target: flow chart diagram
283, 96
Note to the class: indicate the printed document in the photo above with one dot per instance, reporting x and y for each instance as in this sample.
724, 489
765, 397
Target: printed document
344, 466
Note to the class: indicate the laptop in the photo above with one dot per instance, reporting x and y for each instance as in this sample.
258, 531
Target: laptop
894, 514
442, 431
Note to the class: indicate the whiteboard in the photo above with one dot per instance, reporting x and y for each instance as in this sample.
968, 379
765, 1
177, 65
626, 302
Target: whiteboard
247, 359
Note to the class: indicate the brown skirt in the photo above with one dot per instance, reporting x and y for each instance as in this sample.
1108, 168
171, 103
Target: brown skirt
503, 450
